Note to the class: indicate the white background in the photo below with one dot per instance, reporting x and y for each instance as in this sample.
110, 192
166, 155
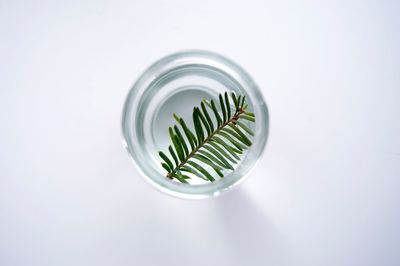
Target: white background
326, 191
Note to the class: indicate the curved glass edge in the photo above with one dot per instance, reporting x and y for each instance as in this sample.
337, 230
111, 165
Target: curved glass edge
181, 190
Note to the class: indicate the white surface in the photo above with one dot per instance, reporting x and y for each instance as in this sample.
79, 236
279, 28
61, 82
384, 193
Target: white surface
325, 193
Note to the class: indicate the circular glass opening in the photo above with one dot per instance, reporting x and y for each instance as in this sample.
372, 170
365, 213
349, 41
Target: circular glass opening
175, 84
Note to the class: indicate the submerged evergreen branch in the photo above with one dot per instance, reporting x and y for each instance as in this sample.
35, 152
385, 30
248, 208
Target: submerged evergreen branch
210, 145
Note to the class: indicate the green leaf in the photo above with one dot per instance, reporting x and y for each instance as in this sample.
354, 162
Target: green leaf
179, 176
191, 170
177, 145
236, 135
204, 159
235, 101
197, 126
166, 159
188, 132
218, 158
210, 123
165, 166
181, 140
207, 102
202, 170
204, 121
176, 117
243, 99
238, 145
192, 141
173, 154
244, 138
217, 117
221, 103
220, 150
247, 118
226, 146
227, 105
181, 154
245, 128
250, 114
189, 135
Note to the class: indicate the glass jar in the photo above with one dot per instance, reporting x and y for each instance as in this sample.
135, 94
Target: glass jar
175, 84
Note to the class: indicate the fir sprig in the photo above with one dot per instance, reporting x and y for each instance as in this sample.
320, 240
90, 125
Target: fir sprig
210, 146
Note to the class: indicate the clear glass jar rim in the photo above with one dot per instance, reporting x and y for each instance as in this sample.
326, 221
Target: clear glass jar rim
182, 59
